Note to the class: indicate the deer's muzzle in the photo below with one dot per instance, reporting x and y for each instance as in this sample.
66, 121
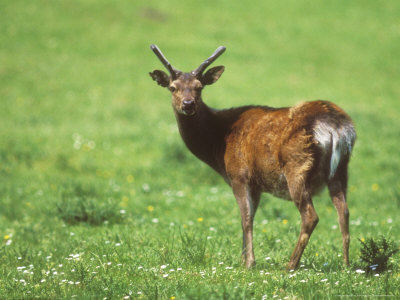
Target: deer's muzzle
188, 107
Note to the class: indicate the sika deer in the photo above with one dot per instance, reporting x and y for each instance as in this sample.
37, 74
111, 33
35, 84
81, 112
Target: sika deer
290, 152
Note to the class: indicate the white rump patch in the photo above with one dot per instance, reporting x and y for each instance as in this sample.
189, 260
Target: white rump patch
337, 141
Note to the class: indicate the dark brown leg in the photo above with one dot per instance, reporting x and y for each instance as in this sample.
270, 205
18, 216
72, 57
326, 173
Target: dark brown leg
248, 202
309, 219
301, 196
337, 189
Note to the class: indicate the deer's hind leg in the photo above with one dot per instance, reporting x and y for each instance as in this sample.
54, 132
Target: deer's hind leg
300, 192
338, 189
309, 220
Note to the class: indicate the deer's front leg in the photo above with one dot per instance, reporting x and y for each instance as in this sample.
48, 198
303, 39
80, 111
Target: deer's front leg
248, 202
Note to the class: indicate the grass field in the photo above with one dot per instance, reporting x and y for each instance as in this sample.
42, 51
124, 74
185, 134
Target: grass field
99, 198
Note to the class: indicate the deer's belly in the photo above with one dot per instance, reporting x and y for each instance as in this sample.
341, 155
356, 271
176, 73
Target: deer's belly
275, 184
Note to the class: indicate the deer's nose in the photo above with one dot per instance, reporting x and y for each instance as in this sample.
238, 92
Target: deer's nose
188, 106
189, 102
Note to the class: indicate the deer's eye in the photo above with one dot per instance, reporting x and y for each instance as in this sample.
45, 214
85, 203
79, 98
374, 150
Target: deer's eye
172, 88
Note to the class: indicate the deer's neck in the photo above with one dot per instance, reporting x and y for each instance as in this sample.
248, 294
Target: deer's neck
204, 134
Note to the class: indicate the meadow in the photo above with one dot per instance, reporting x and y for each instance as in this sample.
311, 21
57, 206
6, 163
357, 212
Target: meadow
100, 199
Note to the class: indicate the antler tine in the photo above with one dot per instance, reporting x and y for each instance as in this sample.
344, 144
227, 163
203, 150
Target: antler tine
209, 61
164, 61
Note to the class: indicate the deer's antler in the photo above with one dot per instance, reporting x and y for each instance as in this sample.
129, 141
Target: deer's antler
209, 61
174, 72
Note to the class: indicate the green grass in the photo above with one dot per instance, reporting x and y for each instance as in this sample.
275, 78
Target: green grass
99, 197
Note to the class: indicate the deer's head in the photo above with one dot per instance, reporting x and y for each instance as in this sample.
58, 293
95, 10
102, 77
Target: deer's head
186, 87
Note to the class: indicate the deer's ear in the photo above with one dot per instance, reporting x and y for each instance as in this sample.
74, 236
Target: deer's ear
212, 75
160, 77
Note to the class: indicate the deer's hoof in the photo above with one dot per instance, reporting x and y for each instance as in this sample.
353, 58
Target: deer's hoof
250, 264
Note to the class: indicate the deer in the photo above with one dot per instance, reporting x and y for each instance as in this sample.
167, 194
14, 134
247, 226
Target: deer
289, 152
